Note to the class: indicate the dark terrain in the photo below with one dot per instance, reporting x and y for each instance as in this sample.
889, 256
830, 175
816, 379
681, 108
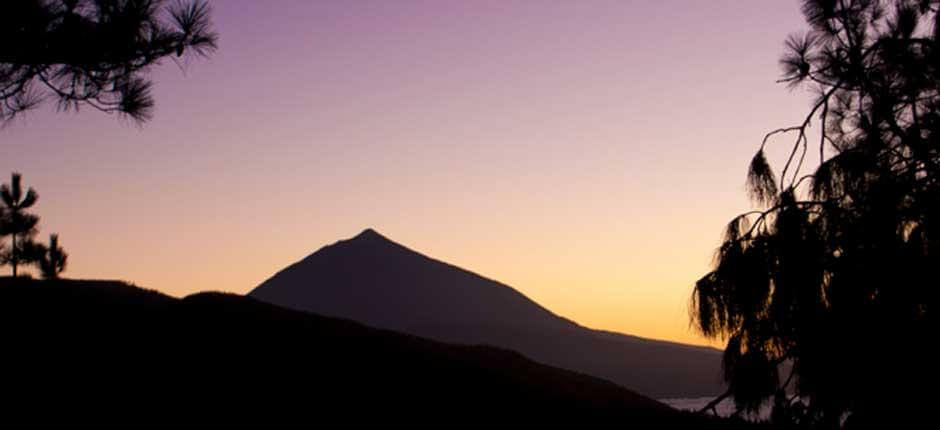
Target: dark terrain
383, 284
95, 350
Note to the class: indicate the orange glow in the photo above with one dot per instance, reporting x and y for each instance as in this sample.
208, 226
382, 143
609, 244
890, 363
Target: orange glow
586, 153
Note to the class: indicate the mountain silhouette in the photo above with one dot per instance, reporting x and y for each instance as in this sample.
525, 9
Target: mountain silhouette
105, 350
380, 283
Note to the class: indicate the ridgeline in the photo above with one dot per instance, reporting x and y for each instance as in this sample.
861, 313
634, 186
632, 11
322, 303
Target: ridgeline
104, 347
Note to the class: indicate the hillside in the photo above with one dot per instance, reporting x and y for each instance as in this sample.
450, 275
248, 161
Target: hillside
96, 344
378, 282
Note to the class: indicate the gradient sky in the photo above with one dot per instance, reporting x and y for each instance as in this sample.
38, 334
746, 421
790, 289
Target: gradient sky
587, 153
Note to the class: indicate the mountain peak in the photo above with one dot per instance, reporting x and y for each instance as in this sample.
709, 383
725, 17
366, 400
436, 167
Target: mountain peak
369, 234
381, 283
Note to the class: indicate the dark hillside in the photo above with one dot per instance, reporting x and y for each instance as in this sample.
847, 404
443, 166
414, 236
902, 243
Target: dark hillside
95, 344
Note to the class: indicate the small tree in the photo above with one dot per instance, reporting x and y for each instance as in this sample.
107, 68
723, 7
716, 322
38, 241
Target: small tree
836, 272
53, 259
94, 52
17, 223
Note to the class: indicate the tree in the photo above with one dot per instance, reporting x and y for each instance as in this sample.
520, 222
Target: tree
53, 259
835, 274
94, 52
17, 223
3, 246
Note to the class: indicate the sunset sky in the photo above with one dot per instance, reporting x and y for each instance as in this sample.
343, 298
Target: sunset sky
586, 153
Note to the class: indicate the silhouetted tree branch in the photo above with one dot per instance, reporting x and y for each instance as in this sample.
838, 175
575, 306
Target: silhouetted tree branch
831, 272
94, 52
712, 405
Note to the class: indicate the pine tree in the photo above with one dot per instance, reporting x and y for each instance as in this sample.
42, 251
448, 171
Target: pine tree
835, 274
18, 223
94, 53
53, 259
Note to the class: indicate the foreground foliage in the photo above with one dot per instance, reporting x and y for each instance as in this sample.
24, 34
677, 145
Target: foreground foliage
835, 274
94, 53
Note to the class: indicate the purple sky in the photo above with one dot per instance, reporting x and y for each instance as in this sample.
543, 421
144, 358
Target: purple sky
587, 153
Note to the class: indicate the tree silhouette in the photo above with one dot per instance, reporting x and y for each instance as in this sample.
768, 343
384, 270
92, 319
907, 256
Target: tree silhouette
94, 52
53, 259
3, 247
17, 223
834, 275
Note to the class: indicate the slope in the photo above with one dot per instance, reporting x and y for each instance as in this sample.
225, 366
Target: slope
378, 282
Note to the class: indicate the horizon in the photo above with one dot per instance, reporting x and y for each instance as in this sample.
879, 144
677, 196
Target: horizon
587, 155
368, 233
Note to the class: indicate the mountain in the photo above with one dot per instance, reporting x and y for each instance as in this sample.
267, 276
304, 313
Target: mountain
100, 351
378, 282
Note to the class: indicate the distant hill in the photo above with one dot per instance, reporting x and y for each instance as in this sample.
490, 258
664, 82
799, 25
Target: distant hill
380, 283
94, 350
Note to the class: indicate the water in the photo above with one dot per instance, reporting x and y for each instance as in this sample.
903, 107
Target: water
725, 408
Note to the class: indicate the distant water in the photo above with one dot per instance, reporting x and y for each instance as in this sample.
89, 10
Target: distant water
725, 408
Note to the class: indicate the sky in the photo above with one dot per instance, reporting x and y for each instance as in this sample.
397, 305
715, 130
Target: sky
586, 153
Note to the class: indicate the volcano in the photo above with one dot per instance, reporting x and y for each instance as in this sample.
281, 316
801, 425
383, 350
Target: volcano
378, 282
